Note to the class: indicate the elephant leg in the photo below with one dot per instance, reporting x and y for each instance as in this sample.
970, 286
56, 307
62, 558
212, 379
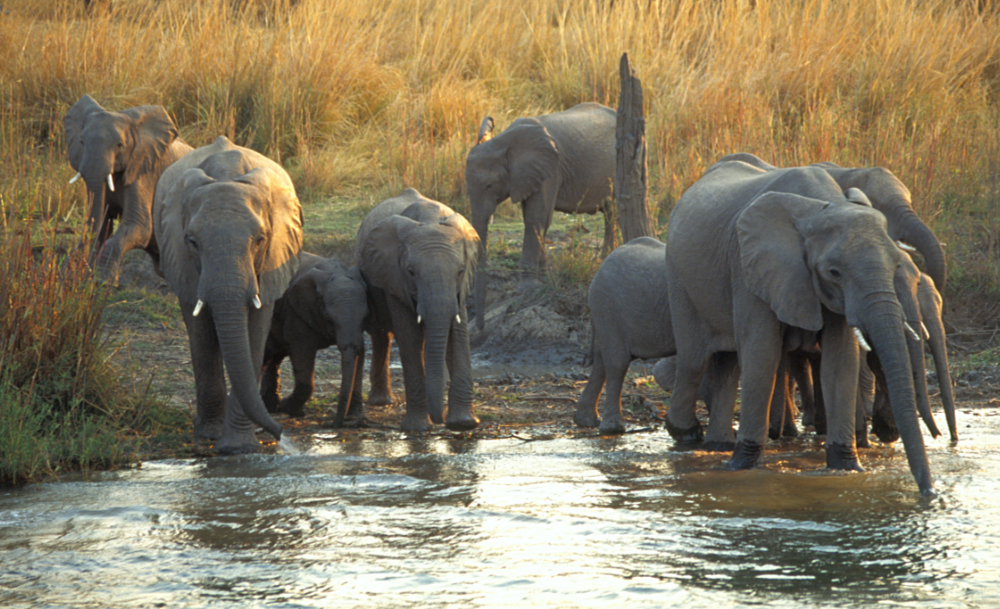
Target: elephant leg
270, 382
209, 374
611, 414
460, 415
801, 371
410, 341
537, 211
380, 393
356, 411
760, 350
839, 378
586, 405
238, 431
865, 400
135, 229
724, 381
682, 418
779, 401
303, 368
819, 410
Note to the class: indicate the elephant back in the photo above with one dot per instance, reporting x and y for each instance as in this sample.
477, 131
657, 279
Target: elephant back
390, 207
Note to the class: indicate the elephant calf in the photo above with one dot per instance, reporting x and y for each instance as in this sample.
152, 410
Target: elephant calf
326, 304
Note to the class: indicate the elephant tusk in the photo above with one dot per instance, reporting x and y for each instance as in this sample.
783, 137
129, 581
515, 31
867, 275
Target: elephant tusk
418, 319
256, 301
861, 340
111, 183
197, 308
909, 329
75, 178
927, 334
458, 318
906, 247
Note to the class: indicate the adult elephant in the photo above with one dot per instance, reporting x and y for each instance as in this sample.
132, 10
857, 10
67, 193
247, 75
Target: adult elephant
887, 194
418, 257
763, 261
121, 156
229, 227
563, 161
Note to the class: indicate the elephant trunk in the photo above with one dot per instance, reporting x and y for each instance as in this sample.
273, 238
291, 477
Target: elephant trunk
915, 346
910, 228
349, 361
437, 327
939, 349
884, 326
480, 222
230, 311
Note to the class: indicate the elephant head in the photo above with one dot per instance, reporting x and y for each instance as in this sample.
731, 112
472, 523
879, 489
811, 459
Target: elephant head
230, 232
424, 258
511, 165
807, 258
111, 151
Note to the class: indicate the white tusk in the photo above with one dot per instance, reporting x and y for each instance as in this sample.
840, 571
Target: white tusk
906, 247
197, 308
256, 301
111, 183
458, 319
418, 319
75, 178
909, 330
861, 340
927, 334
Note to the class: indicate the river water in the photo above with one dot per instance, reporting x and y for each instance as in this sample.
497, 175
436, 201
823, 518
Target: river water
559, 522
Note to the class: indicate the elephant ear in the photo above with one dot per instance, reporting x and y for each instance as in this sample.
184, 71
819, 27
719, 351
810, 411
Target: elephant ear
74, 121
153, 132
381, 255
470, 240
532, 157
284, 217
179, 266
773, 257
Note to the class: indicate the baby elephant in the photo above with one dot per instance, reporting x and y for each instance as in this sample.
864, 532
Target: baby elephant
326, 304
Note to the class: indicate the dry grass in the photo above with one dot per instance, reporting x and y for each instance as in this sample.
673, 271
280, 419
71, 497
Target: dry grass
360, 99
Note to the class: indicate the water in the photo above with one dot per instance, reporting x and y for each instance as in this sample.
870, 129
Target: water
585, 522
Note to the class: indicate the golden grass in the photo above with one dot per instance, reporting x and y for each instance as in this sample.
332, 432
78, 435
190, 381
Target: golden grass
362, 98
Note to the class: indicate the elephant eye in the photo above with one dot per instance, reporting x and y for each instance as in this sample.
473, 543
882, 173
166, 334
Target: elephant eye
190, 240
489, 187
835, 273
411, 272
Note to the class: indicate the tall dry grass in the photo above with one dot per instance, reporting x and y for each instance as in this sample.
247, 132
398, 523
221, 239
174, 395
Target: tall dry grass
363, 98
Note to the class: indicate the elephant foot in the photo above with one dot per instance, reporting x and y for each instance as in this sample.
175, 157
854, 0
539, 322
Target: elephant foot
296, 410
746, 455
718, 446
691, 435
414, 422
586, 417
839, 456
463, 423
234, 443
613, 426
381, 398
208, 429
884, 430
790, 430
773, 433
271, 402
861, 439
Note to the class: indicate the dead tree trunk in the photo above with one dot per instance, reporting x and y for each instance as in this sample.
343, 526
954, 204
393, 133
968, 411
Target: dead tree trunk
630, 165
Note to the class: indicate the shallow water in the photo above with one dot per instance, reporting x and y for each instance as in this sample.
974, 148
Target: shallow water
585, 522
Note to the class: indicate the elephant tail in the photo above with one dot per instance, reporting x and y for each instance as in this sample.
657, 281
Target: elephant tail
588, 357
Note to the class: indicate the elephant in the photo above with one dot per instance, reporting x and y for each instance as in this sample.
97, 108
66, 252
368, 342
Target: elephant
563, 161
121, 156
229, 227
418, 258
325, 304
765, 261
630, 319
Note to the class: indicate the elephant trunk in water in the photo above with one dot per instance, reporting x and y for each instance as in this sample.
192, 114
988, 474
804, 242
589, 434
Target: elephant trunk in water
229, 312
437, 327
883, 325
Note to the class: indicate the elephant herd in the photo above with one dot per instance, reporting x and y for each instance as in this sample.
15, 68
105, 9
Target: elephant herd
769, 278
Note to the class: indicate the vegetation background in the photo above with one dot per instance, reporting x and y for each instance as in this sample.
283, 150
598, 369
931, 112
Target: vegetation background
359, 99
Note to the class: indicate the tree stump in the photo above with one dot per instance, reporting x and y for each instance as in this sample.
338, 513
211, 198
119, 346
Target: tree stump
630, 164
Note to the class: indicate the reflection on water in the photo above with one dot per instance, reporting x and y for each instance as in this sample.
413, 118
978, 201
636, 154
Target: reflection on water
572, 522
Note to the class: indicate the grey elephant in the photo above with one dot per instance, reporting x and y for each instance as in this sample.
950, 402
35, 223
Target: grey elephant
229, 226
630, 319
761, 261
418, 257
563, 161
326, 304
120, 156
